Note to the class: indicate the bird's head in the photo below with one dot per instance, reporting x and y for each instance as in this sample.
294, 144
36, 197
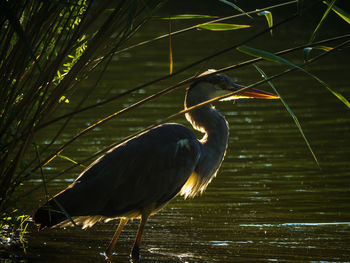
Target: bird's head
210, 85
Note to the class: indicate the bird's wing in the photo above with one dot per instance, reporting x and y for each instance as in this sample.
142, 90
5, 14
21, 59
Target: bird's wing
150, 168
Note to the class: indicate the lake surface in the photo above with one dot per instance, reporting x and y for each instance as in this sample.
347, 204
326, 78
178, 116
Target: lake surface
269, 201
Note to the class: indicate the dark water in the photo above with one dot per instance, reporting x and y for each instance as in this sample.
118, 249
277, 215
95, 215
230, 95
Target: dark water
269, 202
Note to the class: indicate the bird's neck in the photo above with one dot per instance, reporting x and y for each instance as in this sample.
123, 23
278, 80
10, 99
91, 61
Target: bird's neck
213, 124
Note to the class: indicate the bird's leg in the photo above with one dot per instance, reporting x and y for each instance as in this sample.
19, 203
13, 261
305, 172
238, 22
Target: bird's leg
116, 235
135, 252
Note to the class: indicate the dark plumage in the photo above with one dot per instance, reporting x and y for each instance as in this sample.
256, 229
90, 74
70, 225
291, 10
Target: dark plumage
161, 163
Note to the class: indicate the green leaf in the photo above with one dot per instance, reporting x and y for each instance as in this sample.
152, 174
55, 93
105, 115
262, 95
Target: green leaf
70, 160
186, 16
269, 19
221, 26
272, 57
340, 12
17, 26
307, 50
235, 7
63, 99
265, 55
313, 36
339, 96
297, 123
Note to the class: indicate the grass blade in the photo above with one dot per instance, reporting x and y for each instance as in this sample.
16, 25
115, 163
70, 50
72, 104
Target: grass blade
15, 23
70, 160
313, 36
66, 213
340, 12
265, 55
221, 26
235, 7
42, 174
269, 19
307, 50
297, 123
274, 58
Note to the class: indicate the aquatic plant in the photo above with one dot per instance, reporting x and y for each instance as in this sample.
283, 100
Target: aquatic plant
46, 49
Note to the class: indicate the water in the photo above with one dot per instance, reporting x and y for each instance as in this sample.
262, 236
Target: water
269, 202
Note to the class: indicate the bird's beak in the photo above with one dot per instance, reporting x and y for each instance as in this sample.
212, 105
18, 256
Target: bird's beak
248, 93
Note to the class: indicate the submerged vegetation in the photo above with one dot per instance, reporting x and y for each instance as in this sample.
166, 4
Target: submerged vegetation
47, 48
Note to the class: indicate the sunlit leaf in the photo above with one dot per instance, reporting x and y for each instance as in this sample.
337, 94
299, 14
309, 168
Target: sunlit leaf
297, 123
265, 55
234, 6
69, 159
221, 26
268, 16
272, 57
63, 99
340, 12
313, 36
186, 16
339, 96
307, 50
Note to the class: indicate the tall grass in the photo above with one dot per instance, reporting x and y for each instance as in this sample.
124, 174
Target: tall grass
46, 49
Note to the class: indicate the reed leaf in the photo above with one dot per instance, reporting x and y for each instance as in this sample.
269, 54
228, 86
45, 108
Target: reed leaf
7, 12
296, 121
307, 50
269, 18
69, 159
42, 173
59, 38
64, 211
340, 12
209, 22
313, 36
274, 58
221, 26
235, 7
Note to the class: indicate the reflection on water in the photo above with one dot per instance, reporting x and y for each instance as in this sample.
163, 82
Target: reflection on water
298, 225
269, 202
181, 257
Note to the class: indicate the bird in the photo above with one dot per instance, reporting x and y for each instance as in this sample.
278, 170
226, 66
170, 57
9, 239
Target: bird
138, 177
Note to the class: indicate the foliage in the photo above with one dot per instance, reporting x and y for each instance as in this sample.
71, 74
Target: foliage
13, 229
46, 49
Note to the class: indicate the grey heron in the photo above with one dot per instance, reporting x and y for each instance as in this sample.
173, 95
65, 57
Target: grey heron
137, 178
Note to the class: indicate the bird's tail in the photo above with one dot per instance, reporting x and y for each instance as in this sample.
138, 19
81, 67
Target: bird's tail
49, 215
